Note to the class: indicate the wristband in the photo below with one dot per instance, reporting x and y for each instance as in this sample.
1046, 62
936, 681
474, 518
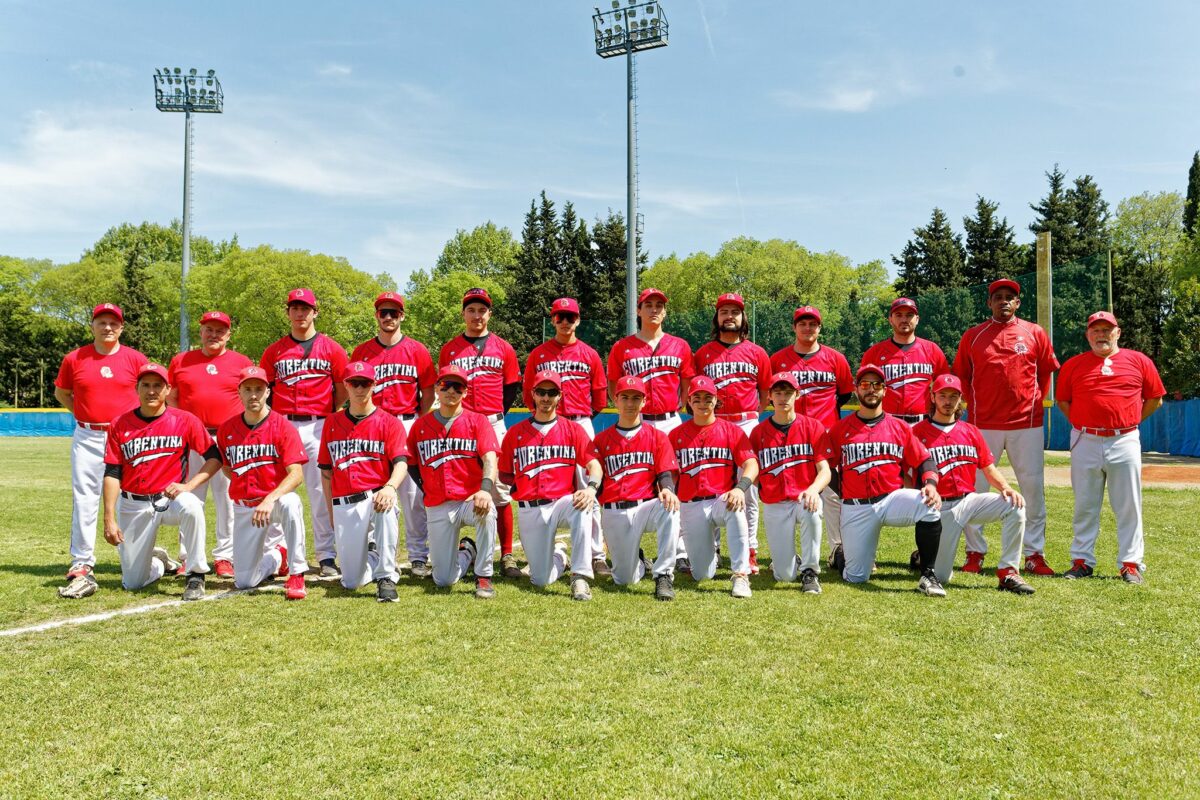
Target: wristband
744, 484
487, 485
930, 479
594, 485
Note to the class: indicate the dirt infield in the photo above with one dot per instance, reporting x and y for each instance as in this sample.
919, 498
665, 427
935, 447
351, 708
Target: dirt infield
1159, 471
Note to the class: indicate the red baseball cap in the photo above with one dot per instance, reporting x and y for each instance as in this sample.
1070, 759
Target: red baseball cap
153, 369
1102, 316
785, 377
546, 376
702, 383
359, 369
731, 298
253, 373
903, 302
565, 305
305, 296
216, 316
806, 311
946, 381
1004, 283
108, 308
648, 293
631, 383
867, 369
390, 297
477, 295
453, 373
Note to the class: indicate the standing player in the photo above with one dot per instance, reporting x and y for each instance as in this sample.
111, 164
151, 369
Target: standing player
793, 456
453, 453
826, 383
959, 452
306, 369
638, 493
584, 390
363, 462
144, 466
1005, 365
1106, 393
711, 452
541, 455
662, 361
494, 373
909, 364
263, 463
741, 371
204, 382
873, 449
404, 377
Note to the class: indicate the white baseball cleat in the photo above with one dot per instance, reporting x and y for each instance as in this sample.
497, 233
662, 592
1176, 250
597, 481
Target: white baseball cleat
930, 586
741, 586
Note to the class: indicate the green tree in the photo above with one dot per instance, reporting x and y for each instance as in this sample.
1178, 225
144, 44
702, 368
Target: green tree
434, 311
1192, 205
1056, 214
1090, 216
34, 342
538, 278
1180, 364
487, 250
1147, 236
991, 246
932, 259
602, 291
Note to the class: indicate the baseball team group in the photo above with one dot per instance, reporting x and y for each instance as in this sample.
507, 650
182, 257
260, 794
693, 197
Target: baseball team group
387, 429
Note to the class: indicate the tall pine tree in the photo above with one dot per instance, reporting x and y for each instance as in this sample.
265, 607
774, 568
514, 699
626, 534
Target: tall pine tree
1056, 214
1090, 214
933, 259
992, 251
1191, 205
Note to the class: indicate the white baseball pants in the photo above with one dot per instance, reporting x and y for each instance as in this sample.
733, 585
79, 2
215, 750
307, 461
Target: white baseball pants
537, 527
140, 522
1115, 461
831, 505
446, 521
595, 523
978, 508
323, 537
352, 522
861, 526
625, 527
255, 553
1027, 451
665, 425
222, 505
503, 494
782, 520
700, 521
748, 426
412, 503
87, 480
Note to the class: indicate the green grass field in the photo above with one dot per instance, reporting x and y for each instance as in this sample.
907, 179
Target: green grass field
1085, 689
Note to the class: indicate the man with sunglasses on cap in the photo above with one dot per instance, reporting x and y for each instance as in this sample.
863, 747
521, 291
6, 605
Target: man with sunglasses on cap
638, 492
144, 467
494, 377
404, 378
909, 364
204, 382
453, 453
363, 460
306, 369
96, 383
1005, 365
538, 458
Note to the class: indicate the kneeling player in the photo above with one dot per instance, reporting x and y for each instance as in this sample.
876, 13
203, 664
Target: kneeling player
147, 455
793, 457
263, 455
638, 493
958, 451
710, 452
538, 459
362, 460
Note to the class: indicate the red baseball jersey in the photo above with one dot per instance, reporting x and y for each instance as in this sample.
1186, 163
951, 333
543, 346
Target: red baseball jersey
662, 367
958, 451
740, 372
400, 370
787, 458
153, 454
360, 453
207, 385
908, 370
102, 386
303, 374
544, 461
1005, 369
258, 456
488, 371
873, 457
709, 457
450, 460
1108, 392
822, 376
633, 463
584, 387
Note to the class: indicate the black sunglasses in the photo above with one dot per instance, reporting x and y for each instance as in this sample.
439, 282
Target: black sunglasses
546, 392
388, 313
452, 387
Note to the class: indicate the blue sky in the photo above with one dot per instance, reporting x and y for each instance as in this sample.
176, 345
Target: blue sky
375, 130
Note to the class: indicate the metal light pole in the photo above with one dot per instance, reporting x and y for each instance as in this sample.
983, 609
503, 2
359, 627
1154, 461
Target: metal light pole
638, 26
174, 91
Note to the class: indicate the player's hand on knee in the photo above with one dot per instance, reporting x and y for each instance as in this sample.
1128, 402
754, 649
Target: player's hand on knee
174, 490
584, 499
735, 499
669, 499
113, 534
483, 503
930, 497
1014, 498
809, 500
385, 499
262, 513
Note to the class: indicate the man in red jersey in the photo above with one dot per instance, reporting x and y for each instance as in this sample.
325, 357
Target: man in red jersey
404, 377
96, 383
638, 493
663, 362
363, 461
1106, 393
145, 462
584, 391
711, 452
873, 450
741, 371
453, 453
826, 384
262, 459
959, 452
204, 382
909, 364
495, 384
306, 369
793, 458
540, 455
1005, 365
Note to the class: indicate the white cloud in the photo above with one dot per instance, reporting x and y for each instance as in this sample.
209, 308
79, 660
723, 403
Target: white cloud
334, 70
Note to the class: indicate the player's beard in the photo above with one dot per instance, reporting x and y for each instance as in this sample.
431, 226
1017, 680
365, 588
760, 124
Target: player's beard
870, 401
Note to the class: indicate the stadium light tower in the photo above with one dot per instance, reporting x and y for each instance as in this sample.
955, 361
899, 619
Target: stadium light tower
201, 94
624, 31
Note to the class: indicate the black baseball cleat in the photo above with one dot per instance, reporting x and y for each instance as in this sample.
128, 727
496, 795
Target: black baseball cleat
420, 569
194, 588
1079, 569
809, 581
683, 565
385, 590
837, 559
329, 568
646, 565
1013, 582
664, 588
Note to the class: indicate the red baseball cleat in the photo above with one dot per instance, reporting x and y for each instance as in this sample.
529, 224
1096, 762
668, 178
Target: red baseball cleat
294, 588
974, 562
1036, 563
1131, 573
753, 561
223, 568
283, 563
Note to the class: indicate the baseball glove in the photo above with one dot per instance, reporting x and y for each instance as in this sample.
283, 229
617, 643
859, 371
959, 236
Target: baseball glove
81, 586
914, 561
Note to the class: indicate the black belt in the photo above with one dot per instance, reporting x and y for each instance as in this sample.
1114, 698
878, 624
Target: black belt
705, 497
407, 416
864, 501
660, 417
952, 499
354, 498
145, 498
574, 417
911, 419
212, 431
304, 417
623, 504
533, 503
